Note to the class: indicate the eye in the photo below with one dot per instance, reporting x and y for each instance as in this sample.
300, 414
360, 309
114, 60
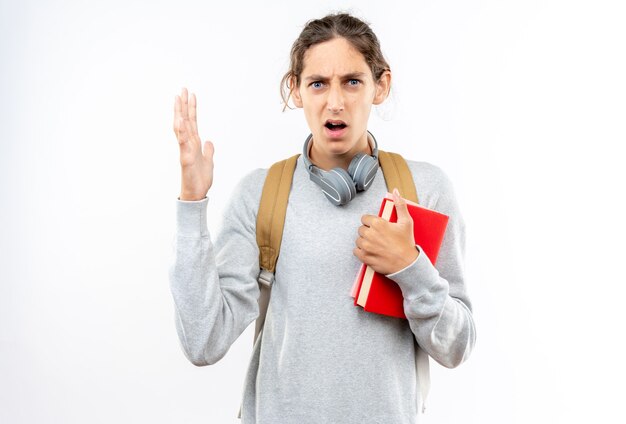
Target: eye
316, 84
354, 82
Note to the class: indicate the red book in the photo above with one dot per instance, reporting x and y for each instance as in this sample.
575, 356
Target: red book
379, 294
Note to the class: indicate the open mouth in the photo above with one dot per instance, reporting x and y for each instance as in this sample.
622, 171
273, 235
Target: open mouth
335, 125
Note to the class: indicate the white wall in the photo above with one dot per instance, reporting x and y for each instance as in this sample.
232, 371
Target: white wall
521, 103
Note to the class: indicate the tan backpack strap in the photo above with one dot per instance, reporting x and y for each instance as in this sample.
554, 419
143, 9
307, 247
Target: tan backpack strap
397, 174
269, 228
270, 221
272, 210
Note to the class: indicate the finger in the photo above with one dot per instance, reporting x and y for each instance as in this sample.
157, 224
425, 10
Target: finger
396, 196
190, 130
401, 207
368, 219
363, 256
184, 134
192, 114
363, 231
360, 254
181, 133
177, 114
363, 244
184, 99
209, 149
374, 222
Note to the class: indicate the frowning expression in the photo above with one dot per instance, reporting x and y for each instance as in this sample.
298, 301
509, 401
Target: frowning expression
337, 91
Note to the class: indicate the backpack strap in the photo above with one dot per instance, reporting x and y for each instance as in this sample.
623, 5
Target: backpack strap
269, 228
397, 174
270, 221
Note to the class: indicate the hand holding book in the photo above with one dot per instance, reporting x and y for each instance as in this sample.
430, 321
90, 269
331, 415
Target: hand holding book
387, 247
372, 289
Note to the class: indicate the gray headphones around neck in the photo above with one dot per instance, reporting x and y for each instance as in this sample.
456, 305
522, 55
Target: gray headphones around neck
340, 186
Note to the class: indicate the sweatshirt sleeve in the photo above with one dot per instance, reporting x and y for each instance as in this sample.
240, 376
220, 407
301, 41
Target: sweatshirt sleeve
435, 297
214, 286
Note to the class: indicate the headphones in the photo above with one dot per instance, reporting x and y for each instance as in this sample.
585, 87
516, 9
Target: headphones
338, 185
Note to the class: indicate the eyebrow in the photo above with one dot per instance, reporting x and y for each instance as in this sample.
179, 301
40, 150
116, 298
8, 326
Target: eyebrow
351, 75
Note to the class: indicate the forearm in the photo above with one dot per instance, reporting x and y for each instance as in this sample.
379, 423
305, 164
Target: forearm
209, 313
442, 323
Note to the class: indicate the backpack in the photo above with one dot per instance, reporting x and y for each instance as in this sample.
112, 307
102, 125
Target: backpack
269, 232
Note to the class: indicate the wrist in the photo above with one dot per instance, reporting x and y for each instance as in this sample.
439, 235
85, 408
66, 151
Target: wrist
190, 197
406, 264
411, 256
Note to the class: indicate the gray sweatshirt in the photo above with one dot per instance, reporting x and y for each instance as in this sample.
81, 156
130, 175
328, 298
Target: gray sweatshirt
320, 358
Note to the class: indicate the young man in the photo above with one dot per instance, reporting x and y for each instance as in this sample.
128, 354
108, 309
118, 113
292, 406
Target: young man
320, 359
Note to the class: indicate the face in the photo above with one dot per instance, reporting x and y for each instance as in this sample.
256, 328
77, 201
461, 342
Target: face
337, 91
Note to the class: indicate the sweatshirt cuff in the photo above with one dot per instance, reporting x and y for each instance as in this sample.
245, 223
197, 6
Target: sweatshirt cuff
191, 220
419, 279
419, 249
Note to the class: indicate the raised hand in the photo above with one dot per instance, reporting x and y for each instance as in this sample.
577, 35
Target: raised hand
196, 163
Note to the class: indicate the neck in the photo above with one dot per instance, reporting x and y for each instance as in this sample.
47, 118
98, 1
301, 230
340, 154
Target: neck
341, 160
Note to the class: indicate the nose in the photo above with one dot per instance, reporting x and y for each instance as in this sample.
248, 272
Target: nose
334, 101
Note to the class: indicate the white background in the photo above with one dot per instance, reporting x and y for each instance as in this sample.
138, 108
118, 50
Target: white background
522, 103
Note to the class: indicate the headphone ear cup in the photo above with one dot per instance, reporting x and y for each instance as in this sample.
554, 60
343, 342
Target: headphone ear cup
341, 187
363, 169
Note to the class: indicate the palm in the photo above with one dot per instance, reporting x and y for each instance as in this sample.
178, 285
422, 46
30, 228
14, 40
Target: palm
196, 163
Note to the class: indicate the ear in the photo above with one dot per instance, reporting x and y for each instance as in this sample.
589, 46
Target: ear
295, 92
382, 88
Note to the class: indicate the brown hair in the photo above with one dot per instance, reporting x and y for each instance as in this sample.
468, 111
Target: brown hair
316, 31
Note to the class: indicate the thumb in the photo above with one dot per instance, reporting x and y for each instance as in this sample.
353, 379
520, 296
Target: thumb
401, 208
208, 149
